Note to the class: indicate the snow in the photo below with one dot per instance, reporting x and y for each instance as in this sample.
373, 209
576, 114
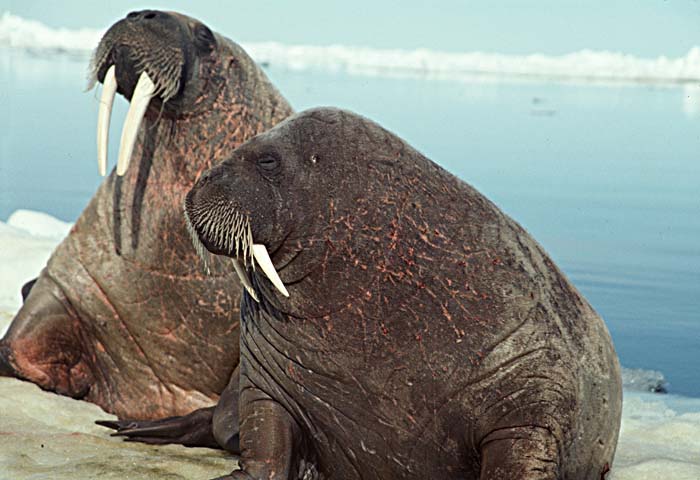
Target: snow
660, 438
45, 434
26, 242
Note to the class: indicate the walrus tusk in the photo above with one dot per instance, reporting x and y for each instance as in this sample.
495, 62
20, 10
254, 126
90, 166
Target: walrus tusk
263, 258
139, 102
244, 279
109, 90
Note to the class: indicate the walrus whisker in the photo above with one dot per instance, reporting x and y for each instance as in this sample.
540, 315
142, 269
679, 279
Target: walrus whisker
243, 276
226, 229
104, 115
143, 92
196, 242
235, 235
250, 242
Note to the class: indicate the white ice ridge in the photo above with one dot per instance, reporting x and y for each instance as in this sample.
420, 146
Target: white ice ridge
26, 242
582, 66
20, 33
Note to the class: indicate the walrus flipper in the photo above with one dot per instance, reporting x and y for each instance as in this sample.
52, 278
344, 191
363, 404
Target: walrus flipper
211, 427
520, 452
6, 369
192, 430
27, 287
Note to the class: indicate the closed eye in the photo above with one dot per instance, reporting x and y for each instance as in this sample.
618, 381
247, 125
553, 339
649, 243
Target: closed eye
204, 39
268, 163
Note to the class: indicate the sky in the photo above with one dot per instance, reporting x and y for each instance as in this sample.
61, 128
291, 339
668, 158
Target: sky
646, 28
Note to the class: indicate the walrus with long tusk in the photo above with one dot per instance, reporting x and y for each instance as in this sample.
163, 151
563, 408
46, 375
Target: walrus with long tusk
397, 324
124, 314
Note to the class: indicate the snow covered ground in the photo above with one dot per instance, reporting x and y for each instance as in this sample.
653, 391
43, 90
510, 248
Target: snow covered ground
44, 435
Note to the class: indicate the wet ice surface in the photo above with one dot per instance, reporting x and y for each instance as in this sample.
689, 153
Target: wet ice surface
640, 380
43, 435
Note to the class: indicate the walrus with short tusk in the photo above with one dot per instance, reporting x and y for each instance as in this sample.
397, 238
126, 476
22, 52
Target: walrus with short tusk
397, 324
124, 314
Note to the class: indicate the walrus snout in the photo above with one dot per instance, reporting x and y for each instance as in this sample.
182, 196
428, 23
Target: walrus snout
144, 15
216, 222
151, 41
149, 55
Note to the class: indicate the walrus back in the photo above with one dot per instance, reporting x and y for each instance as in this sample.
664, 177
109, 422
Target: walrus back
511, 328
549, 347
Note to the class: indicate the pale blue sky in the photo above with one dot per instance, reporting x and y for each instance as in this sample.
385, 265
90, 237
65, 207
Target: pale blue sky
640, 27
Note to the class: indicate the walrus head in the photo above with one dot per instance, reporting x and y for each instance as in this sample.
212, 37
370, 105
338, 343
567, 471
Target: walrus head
217, 221
298, 200
154, 59
242, 208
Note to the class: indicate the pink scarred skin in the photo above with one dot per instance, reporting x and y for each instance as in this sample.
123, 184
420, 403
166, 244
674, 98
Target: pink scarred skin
426, 334
125, 315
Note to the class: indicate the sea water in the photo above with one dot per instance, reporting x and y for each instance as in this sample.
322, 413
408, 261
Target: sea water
606, 176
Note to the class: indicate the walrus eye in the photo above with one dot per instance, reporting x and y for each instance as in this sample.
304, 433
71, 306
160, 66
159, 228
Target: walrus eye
203, 38
268, 163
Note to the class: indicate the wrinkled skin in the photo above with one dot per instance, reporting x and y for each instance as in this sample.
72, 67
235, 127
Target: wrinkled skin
426, 334
124, 315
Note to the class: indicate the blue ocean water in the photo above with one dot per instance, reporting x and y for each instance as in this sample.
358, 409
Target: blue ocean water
606, 178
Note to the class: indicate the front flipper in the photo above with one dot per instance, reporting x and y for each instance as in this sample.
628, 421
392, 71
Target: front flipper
523, 452
269, 437
192, 430
213, 427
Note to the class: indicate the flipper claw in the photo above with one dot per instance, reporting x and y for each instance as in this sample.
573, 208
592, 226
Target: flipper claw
193, 430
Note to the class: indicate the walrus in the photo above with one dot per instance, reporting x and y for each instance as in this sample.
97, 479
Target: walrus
399, 325
125, 313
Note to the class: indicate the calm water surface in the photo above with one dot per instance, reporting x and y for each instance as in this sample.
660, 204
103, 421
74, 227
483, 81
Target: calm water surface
606, 178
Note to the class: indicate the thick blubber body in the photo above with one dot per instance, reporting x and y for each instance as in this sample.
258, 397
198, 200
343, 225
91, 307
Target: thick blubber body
125, 314
426, 334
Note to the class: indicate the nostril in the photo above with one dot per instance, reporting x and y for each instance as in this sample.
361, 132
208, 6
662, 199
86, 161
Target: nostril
204, 179
210, 175
142, 14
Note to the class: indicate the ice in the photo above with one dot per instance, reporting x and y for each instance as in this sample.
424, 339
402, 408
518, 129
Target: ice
39, 224
582, 66
17, 32
636, 379
26, 242
660, 438
43, 435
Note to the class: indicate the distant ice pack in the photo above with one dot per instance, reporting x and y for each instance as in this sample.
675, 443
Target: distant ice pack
586, 66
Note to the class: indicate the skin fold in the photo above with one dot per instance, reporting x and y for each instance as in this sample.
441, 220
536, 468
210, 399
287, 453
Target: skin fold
125, 313
426, 334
